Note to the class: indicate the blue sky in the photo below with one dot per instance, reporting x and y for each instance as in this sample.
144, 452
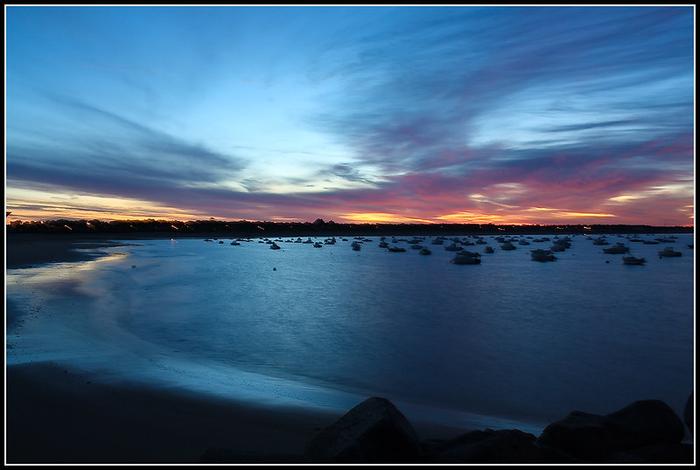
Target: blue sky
504, 114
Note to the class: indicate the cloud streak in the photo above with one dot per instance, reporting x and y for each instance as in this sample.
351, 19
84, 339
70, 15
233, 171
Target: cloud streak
501, 114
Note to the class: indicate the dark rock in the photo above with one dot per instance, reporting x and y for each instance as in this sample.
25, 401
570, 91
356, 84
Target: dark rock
661, 453
505, 446
591, 437
373, 431
645, 423
580, 434
688, 413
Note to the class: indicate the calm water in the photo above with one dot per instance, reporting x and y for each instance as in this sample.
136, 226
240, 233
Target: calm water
509, 342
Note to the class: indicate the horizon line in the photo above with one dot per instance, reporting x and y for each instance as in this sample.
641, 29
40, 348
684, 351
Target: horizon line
320, 221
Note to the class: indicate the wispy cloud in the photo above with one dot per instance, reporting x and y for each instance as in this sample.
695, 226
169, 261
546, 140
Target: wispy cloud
452, 114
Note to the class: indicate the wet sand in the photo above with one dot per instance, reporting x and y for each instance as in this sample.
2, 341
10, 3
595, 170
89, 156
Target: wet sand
27, 250
64, 416
58, 415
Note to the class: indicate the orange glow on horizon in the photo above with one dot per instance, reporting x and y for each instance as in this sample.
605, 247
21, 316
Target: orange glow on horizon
382, 218
467, 217
34, 205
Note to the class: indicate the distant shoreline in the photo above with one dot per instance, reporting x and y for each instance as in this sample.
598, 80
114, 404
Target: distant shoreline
174, 228
31, 248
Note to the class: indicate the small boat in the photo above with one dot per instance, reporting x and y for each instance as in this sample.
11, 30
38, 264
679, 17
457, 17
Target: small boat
356, 246
600, 241
453, 247
618, 249
542, 256
650, 242
523, 242
488, 249
274, 246
507, 246
467, 257
669, 252
317, 245
563, 242
235, 243
632, 261
425, 251
383, 244
396, 249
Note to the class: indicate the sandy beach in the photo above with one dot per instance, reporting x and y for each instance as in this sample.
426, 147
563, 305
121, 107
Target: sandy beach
69, 418
57, 415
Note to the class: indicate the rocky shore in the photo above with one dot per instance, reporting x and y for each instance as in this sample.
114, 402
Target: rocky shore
375, 431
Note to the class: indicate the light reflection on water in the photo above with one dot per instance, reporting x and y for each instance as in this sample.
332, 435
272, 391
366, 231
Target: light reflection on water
509, 338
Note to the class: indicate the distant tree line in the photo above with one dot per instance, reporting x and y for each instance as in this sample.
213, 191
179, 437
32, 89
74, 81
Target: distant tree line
316, 228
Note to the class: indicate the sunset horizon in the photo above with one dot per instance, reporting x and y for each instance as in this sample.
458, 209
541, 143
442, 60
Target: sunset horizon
355, 219
587, 117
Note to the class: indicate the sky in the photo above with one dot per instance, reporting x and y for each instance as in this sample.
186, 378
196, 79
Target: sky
357, 114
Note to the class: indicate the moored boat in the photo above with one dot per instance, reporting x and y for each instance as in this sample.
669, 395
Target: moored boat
632, 261
467, 257
542, 256
669, 252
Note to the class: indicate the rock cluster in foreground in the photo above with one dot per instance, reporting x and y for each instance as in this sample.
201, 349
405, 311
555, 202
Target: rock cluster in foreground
375, 431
